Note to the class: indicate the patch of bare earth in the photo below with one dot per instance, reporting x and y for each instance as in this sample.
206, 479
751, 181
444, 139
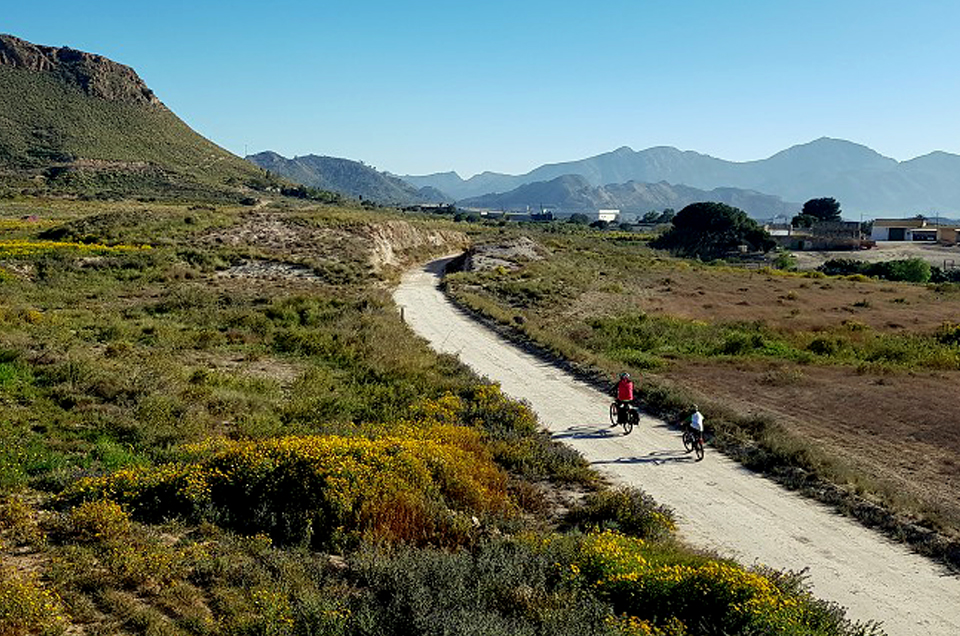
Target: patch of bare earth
937, 255
900, 429
781, 302
509, 253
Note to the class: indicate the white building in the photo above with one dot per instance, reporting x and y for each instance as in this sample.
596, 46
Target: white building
610, 216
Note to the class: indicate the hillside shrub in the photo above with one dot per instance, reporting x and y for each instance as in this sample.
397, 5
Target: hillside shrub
321, 490
910, 270
949, 333
514, 436
629, 511
27, 607
503, 588
705, 596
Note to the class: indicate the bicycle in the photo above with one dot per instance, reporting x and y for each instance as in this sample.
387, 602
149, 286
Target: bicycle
693, 441
631, 419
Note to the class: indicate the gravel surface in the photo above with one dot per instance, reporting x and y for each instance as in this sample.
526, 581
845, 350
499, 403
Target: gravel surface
719, 504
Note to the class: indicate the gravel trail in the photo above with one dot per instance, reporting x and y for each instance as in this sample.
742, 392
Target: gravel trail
719, 504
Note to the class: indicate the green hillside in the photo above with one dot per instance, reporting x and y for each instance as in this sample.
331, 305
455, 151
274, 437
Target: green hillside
57, 137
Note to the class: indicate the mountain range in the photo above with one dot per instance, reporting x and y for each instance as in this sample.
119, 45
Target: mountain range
573, 193
351, 178
864, 181
80, 124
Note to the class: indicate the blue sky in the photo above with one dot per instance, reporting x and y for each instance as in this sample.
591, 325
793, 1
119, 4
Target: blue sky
428, 86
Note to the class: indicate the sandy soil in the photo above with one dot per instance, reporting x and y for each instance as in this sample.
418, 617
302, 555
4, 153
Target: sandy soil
887, 251
719, 504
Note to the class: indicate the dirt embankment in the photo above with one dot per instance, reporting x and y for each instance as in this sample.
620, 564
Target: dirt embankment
399, 244
292, 247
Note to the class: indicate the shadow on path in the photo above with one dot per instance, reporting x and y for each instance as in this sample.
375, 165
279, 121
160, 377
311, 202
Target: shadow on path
589, 432
654, 457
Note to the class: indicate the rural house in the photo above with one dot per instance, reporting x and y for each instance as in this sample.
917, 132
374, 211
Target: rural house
915, 229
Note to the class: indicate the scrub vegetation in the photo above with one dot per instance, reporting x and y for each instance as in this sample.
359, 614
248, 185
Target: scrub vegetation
213, 421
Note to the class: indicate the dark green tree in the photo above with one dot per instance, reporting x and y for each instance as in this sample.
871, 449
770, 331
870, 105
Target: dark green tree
580, 219
712, 230
817, 211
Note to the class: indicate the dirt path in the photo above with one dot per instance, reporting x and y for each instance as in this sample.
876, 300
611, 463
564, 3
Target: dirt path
719, 504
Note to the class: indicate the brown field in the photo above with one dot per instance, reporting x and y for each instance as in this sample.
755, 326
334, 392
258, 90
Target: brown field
789, 302
902, 430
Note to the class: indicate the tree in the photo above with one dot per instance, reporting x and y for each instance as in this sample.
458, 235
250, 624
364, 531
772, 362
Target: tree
579, 219
712, 230
817, 211
667, 216
651, 217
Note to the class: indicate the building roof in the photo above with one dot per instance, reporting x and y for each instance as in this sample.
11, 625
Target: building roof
909, 223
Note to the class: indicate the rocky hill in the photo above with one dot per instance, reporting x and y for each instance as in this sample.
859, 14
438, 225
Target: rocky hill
860, 178
78, 123
351, 178
573, 193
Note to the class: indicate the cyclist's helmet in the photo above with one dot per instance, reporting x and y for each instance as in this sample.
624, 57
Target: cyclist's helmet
624, 376
696, 408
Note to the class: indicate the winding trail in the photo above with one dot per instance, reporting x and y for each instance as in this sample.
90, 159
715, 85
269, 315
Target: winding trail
719, 504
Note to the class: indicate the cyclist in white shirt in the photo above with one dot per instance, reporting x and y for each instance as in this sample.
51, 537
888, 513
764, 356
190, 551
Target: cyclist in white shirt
696, 422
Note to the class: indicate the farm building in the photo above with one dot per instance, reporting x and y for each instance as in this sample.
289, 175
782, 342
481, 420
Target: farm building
829, 235
916, 229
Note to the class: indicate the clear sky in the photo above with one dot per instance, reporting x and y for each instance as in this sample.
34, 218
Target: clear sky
428, 86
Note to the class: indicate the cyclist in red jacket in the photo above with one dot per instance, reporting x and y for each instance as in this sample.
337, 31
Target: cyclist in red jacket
624, 396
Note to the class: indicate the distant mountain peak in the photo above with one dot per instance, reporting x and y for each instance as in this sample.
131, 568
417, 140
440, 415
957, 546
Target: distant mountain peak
863, 180
352, 178
94, 74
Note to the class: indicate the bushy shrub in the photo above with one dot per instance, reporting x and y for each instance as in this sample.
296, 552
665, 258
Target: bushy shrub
98, 522
26, 607
910, 270
319, 489
504, 587
949, 333
627, 510
514, 436
704, 596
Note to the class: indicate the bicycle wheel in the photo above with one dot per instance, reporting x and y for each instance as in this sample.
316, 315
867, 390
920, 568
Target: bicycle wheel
613, 413
698, 447
688, 441
628, 422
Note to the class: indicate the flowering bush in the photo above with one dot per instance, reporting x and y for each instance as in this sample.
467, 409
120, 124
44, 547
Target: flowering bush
99, 521
706, 597
408, 487
26, 607
19, 248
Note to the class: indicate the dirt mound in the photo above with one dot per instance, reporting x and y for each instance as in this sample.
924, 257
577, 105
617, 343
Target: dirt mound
509, 253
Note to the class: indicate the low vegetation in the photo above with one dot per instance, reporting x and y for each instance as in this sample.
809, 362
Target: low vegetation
204, 432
